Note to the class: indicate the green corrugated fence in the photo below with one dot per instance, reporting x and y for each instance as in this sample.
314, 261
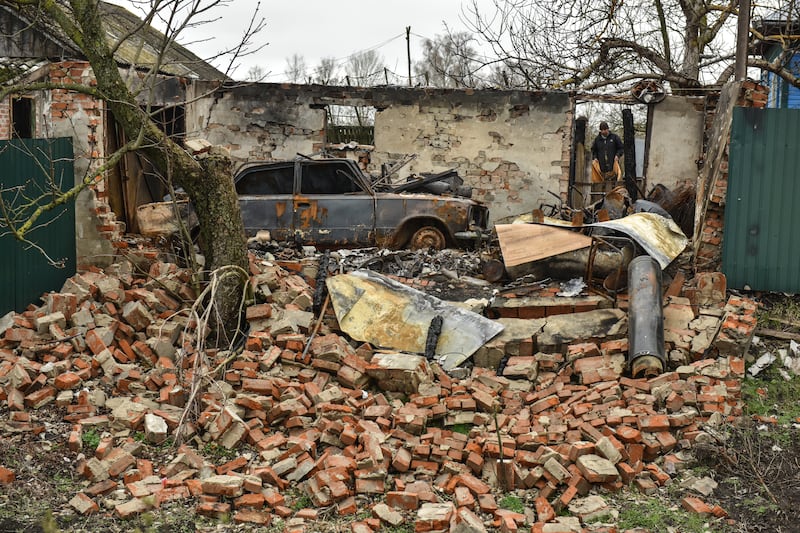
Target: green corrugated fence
761, 243
30, 168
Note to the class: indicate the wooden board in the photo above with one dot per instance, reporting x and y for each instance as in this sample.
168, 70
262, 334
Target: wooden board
523, 243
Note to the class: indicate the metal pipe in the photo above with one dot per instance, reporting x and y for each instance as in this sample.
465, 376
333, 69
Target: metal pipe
645, 318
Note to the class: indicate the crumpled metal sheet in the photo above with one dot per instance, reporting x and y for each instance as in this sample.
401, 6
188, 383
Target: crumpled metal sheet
659, 236
376, 309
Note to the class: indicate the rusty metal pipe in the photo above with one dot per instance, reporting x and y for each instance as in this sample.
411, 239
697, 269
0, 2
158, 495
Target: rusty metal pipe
645, 318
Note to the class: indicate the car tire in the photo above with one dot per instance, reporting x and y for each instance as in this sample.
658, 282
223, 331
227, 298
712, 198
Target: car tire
427, 237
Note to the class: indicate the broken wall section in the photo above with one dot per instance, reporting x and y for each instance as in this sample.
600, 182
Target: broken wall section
512, 147
675, 144
712, 184
62, 113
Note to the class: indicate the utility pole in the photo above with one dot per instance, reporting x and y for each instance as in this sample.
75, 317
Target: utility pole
408, 52
742, 37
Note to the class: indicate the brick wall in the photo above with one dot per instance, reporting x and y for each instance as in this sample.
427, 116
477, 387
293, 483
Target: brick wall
713, 183
5, 119
81, 116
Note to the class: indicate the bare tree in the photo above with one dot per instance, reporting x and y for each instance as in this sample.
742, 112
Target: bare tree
365, 68
296, 68
327, 72
207, 182
501, 77
256, 73
449, 61
776, 41
589, 44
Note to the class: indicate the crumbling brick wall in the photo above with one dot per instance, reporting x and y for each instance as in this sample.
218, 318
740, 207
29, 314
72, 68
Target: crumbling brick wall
5, 119
80, 116
712, 184
511, 147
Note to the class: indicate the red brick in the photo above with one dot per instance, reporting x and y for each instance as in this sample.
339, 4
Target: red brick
67, 380
6, 475
406, 501
213, 509
695, 505
348, 506
253, 517
654, 423
544, 511
94, 342
260, 311
249, 501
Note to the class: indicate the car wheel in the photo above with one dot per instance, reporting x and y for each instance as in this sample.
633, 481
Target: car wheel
427, 237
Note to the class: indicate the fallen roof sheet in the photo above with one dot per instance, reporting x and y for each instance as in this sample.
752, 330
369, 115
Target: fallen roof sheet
376, 309
659, 236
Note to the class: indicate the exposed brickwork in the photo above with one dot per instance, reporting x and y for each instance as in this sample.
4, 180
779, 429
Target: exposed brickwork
5, 119
67, 108
709, 230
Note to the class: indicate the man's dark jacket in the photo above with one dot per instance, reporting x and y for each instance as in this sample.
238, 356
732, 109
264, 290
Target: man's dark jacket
604, 150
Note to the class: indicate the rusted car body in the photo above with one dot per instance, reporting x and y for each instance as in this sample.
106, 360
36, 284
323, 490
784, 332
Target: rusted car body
332, 203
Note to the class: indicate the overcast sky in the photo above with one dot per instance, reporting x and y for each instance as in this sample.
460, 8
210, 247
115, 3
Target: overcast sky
322, 28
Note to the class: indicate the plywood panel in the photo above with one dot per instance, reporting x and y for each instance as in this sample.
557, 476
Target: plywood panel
523, 243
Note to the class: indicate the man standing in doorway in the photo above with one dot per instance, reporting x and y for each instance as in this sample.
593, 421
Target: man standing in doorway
607, 148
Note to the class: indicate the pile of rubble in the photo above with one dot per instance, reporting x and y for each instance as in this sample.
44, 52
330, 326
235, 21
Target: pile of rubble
545, 406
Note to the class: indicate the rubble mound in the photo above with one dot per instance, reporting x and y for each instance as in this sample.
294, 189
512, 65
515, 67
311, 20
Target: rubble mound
302, 413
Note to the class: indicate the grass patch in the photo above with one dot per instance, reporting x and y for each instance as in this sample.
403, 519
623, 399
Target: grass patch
464, 429
655, 515
512, 503
217, 452
770, 395
780, 313
91, 438
301, 501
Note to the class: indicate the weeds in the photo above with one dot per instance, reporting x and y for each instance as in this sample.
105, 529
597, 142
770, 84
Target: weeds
212, 449
302, 501
463, 429
770, 395
782, 312
512, 503
91, 438
655, 515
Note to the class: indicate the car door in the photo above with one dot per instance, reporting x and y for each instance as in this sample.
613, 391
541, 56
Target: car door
333, 207
265, 198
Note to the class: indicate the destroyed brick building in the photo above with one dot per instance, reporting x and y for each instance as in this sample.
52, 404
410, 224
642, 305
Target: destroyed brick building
338, 401
512, 147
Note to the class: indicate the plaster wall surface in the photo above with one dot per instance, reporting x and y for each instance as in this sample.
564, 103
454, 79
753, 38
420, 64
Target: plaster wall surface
507, 147
256, 124
510, 146
80, 117
676, 141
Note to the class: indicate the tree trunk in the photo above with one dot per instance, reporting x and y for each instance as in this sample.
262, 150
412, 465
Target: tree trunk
222, 242
209, 184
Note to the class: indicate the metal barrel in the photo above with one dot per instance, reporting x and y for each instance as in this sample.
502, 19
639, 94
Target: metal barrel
645, 318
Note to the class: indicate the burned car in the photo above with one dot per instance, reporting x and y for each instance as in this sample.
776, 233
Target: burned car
333, 203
